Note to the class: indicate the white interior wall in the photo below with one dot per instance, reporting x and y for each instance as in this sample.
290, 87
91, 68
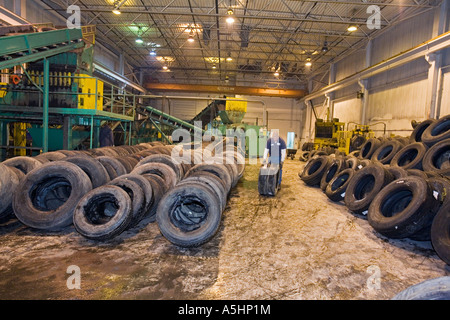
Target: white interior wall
445, 94
36, 14
283, 114
348, 110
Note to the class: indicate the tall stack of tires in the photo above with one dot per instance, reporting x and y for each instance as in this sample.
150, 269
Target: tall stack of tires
401, 185
103, 192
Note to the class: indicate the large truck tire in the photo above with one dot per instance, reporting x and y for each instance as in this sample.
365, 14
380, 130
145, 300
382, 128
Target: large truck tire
364, 186
410, 156
337, 187
103, 213
189, 215
403, 208
48, 195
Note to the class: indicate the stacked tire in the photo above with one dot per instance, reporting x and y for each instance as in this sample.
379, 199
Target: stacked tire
400, 185
106, 191
190, 213
50, 185
331, 173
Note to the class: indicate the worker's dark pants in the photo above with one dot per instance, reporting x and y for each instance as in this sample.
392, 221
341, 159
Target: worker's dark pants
281, 173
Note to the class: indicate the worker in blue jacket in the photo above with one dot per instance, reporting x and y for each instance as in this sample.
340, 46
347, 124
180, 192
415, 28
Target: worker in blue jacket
275, 151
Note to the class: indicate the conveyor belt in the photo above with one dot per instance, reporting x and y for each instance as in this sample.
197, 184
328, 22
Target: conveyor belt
208, 114
168, 120
19, 49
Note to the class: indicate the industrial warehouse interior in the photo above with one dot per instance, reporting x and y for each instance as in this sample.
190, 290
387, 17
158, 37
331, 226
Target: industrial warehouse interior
225, 150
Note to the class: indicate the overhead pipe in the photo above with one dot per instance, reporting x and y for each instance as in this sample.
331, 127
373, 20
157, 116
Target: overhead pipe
118, 77
434, 45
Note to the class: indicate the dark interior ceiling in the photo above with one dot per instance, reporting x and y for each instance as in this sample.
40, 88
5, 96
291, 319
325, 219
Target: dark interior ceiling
266, 36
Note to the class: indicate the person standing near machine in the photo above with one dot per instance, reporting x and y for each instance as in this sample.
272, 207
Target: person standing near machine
106, 136
275, 151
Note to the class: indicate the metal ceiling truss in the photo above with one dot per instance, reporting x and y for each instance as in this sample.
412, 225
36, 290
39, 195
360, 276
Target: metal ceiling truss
268, 35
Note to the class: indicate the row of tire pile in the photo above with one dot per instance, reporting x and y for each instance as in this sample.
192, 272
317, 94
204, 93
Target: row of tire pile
400, 185
105, 191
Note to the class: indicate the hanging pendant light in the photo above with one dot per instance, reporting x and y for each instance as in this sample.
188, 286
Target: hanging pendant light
230, 18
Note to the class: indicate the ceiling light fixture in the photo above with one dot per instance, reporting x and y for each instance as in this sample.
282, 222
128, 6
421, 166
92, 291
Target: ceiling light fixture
165, 67
191, 37
214, 66
308, 62
117, 6
230, 18
325, 46
276, 74
153, 53
229, 58
352, 28
139, 38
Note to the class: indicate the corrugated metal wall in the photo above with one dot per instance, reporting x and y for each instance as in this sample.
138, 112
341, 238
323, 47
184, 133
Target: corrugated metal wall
348, 110
445, 102
399, 95
350, 65
282, 113
403, 36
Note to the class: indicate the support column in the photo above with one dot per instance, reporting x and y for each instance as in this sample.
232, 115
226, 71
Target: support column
364, 84
45, 106
330, 96
91, 136
264, 115
309, 116
129, 133
4, 137
121, 64
432, 109
364, 100
435, 61
141, 77
67, 133
97, 124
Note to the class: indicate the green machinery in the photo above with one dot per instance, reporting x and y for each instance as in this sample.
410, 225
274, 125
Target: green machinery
228, 121
47, 86
163, 122
221, 116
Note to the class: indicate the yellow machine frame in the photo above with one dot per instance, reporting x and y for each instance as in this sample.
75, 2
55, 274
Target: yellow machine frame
89, 88
326, 133
344, 137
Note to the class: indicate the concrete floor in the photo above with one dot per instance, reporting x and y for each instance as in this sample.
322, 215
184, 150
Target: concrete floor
297, 245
